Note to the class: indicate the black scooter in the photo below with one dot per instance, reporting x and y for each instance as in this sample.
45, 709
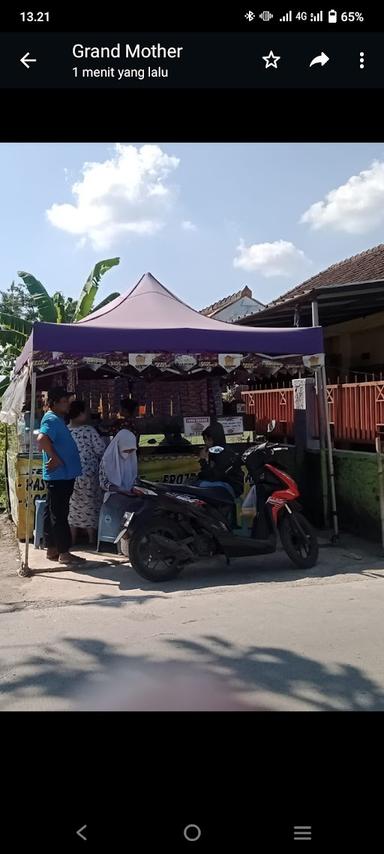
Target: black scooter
174, 526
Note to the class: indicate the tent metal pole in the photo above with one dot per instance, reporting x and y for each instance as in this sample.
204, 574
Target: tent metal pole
380, 474
323, 453
315, 313
322, 425
331, 468
25, 570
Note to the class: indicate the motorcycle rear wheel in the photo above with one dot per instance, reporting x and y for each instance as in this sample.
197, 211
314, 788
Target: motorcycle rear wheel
299, 540
144, 557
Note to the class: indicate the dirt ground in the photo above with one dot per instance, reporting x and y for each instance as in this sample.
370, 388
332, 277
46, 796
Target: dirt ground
9, 560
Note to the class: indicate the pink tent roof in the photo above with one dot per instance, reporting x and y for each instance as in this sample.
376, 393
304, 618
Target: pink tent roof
150, 319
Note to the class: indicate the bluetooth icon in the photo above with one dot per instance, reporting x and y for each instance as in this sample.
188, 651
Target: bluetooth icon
250, 16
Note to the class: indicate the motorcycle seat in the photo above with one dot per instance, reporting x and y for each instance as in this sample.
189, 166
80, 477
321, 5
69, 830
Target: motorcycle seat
216, 494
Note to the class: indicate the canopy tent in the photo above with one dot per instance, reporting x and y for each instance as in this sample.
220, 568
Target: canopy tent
150, 318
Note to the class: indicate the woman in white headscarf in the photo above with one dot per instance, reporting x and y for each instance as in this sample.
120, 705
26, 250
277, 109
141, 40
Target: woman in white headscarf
118, 468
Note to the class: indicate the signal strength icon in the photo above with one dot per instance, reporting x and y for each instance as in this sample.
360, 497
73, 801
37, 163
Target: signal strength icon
287, 17
316, 17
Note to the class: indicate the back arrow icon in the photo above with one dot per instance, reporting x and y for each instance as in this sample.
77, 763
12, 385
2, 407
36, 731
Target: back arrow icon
319, 60
26, 59
80, 832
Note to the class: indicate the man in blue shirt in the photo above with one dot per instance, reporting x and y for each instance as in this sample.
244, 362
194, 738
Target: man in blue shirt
61, 466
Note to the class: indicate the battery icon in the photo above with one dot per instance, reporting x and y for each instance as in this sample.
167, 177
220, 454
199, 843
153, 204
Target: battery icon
332, 16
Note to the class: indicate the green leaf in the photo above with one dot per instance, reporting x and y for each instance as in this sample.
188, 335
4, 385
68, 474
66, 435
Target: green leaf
105, 302
4, 383
70, 310
59, 303
44, 303
10, 337
11, 323
89, 291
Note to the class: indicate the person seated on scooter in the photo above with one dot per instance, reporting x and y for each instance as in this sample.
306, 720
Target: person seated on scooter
219, 437
219, 470
118, 467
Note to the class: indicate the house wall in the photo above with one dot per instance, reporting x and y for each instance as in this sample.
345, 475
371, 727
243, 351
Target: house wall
241, 308
357, 343
357, 491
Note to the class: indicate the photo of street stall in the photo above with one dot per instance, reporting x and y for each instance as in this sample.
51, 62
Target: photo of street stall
191, 463
148, 346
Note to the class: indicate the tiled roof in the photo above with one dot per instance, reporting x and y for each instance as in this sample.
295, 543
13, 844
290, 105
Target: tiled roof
223, 303
367, 266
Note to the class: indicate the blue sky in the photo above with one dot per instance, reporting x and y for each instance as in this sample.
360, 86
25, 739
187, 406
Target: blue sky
205, 219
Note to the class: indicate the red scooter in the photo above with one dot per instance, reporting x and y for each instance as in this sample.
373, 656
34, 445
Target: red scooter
174, 526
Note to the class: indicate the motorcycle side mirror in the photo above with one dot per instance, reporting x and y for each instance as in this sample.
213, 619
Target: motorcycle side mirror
271, 426
217, 449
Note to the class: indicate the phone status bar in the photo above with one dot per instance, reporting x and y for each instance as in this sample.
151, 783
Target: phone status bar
214, 18
304, 16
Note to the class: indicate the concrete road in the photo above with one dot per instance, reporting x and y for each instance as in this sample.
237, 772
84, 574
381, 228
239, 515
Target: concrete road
270, 634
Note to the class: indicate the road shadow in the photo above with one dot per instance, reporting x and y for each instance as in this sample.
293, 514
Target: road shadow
78, 668
103, 600
215, 572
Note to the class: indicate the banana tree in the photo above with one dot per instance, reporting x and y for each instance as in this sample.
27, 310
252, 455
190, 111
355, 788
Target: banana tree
60, 309
85, 303
14, 331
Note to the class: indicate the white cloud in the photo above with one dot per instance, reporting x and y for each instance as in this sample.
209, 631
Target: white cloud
128, 193
280, 258
355, 207
187, 225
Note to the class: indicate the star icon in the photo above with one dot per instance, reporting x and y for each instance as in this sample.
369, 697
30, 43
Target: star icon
271, 60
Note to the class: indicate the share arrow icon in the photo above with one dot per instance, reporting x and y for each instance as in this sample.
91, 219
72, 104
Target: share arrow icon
319, 60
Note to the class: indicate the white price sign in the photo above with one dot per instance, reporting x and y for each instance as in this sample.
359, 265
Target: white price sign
194, 426
232, 425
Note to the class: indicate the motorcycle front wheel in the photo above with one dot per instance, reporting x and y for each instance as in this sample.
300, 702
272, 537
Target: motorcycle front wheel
145, 556
299, 540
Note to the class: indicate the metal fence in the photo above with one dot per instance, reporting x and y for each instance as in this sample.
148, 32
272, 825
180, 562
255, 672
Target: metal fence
356, 410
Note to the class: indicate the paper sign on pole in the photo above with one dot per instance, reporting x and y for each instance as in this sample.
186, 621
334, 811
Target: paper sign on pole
299, 394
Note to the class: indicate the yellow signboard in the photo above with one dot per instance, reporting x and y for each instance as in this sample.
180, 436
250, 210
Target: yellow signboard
169, 468
19, 485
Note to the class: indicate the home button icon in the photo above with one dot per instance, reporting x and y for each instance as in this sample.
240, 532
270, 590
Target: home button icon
192, 832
